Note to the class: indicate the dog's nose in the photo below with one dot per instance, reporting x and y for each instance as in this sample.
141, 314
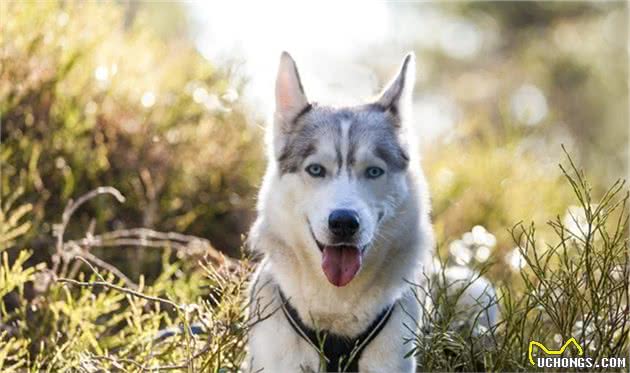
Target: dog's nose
343, 223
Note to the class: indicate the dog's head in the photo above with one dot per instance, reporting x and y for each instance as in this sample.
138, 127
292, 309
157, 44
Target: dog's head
337, 174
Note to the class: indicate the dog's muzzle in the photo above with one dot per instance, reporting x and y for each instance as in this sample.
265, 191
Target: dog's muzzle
340, 261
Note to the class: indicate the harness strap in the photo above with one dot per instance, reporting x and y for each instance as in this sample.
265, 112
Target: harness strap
339, 352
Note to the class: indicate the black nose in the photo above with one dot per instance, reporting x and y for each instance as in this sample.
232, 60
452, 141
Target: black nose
343, 223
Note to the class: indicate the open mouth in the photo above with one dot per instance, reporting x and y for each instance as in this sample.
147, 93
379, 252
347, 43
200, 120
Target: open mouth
340, 262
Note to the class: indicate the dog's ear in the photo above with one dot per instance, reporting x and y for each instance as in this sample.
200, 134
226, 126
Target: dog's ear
290, 97
397, 95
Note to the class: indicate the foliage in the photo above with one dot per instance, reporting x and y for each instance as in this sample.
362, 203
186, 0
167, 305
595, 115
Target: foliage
510, 184
100, 321
115, 93
193, 316
577, 285
86, 103
492, 165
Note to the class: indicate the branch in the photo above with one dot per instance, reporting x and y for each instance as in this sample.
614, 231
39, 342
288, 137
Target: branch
144, 237
70, 209
121, 289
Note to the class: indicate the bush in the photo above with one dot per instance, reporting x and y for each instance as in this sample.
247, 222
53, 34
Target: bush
193, 316
91, 96
60, 318
576, 286
486, 180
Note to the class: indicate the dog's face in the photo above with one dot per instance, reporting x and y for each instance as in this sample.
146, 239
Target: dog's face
342, 171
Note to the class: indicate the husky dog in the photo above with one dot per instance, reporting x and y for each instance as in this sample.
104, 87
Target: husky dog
343, 223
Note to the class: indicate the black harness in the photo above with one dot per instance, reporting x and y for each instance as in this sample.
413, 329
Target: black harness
340, 353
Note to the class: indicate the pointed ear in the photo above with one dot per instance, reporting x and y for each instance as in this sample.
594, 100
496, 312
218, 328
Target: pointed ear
290, 97
397, 95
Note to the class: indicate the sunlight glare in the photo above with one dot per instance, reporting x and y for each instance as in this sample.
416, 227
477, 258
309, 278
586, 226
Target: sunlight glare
311, 32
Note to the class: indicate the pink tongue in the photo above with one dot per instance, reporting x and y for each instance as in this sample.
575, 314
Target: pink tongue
341, 264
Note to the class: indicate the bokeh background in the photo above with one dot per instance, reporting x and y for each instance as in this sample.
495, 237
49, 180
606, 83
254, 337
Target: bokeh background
168, 101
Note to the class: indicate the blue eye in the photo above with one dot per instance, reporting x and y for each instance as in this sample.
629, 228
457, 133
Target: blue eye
374, 172
316, 170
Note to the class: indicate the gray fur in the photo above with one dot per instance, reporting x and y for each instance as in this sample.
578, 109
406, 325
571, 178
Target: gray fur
370, 125
390, 98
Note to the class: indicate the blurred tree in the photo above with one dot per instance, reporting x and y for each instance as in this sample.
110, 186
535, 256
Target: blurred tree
505, 84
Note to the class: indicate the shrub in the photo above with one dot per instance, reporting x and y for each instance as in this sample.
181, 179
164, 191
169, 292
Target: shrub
193, 316
76, 315
91, 96
576, 286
